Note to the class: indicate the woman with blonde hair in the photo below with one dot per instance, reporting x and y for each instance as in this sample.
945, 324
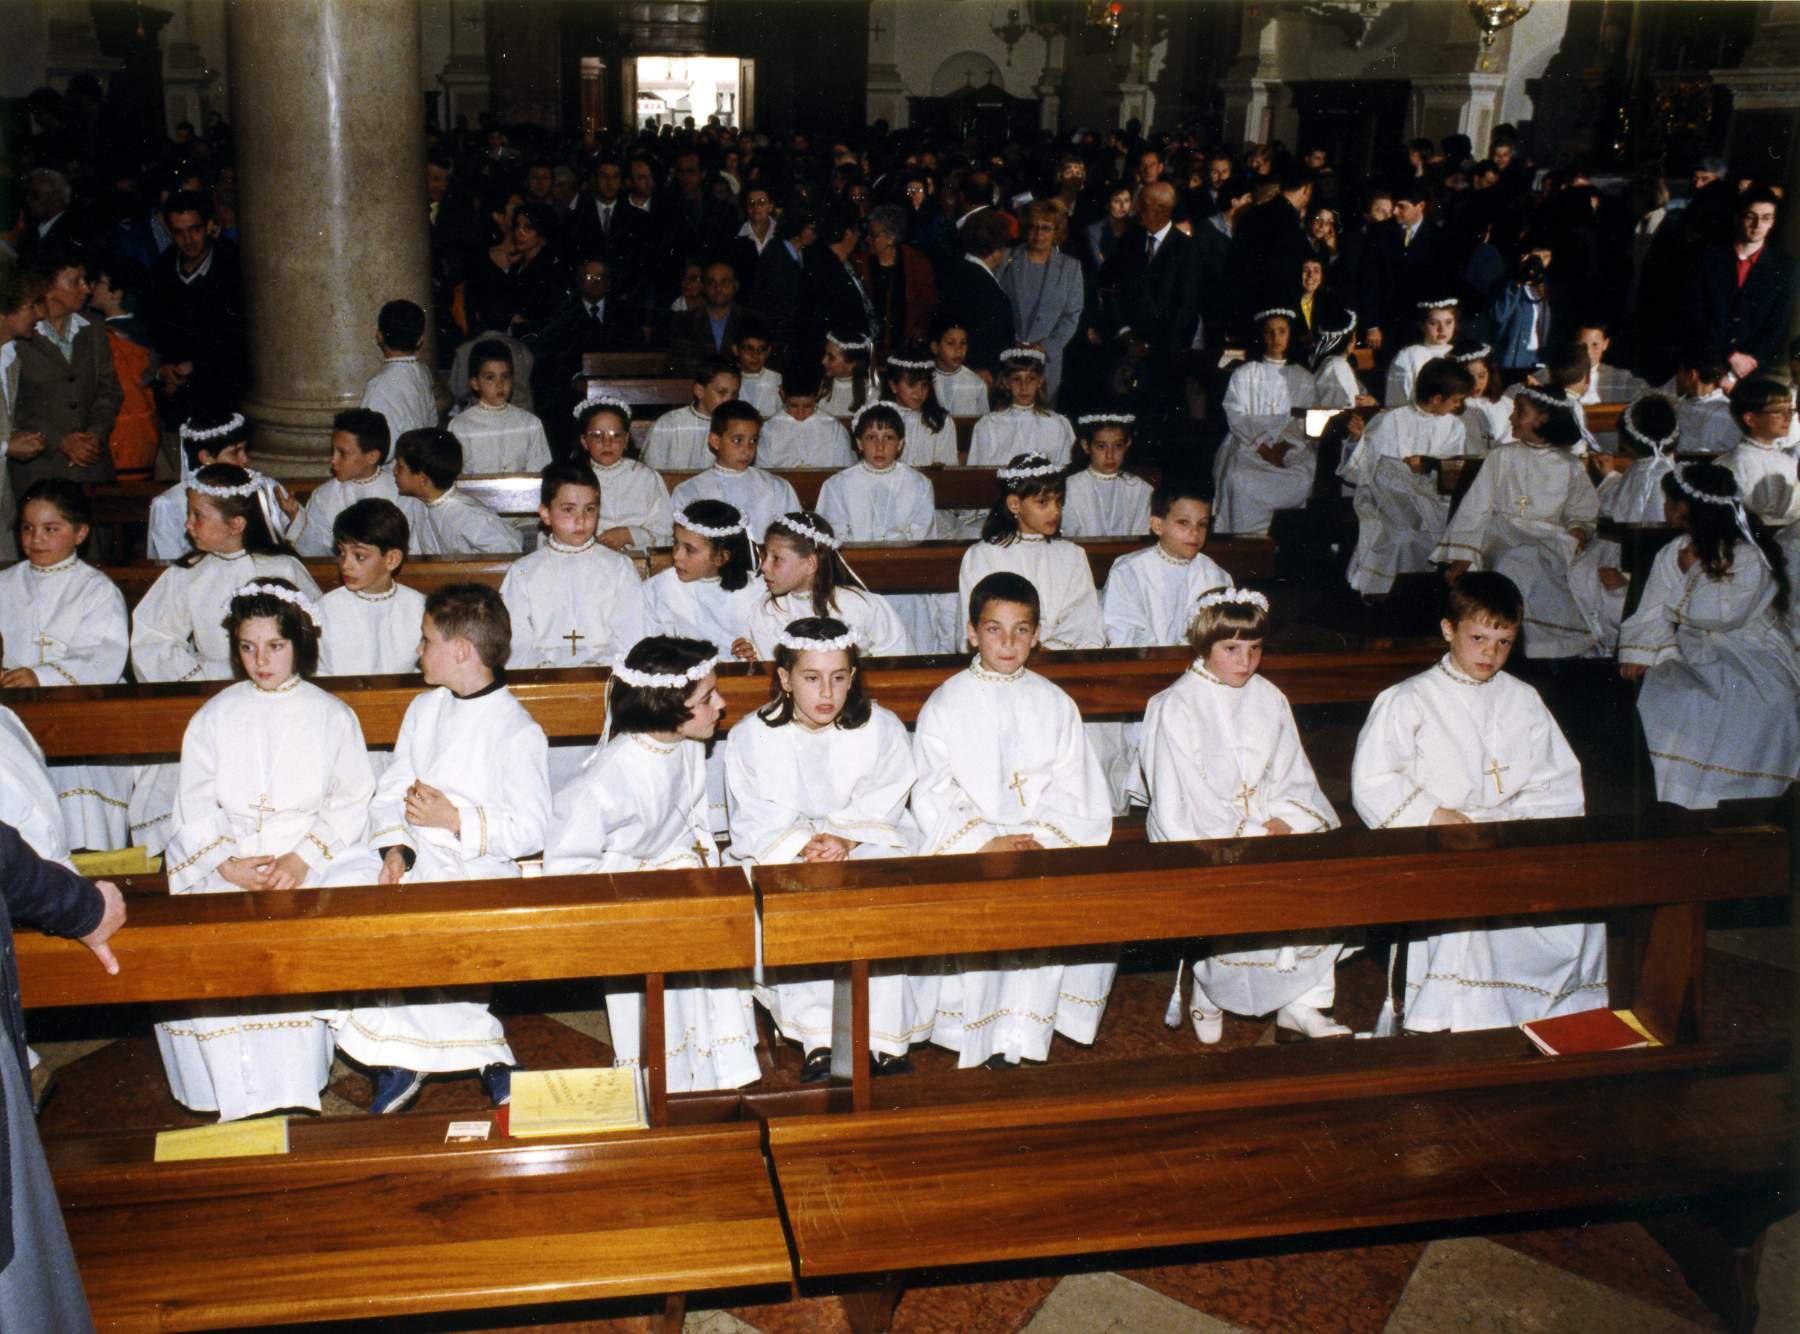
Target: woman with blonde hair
1045, 288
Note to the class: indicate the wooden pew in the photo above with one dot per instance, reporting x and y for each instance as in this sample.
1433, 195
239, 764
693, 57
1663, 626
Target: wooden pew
648, 395
1119, 1155
647, 364
379, 1217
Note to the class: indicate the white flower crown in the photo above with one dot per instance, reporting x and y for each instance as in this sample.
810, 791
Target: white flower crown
1348, 329
1558, 402
248, 488
1262, 315
851, 344
801, 528
1236, 597
1035, 465
232, 427
1734, 503
1473, 354
801, 644
706, 530
1442, 303
1105, 418
631, 676
262, 588
908, 364
1022, 354
602, 401
857, 416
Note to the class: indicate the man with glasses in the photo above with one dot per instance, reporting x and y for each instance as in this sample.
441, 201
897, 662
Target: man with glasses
1741, 293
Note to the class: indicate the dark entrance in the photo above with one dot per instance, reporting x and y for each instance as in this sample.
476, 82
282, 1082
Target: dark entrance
1359, 122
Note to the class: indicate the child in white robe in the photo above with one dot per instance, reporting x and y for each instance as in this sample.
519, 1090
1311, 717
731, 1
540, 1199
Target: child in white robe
465, 796
847, 378
1720, 701
1334, 379
1437, 330
756, 493
369, 624
1026, 425
1529, 512
1702, 406
804, 574
962, 392
403, 391
28, 800
800, 435
759, 384
1460, 743
1631, 492
821, 774
1102, 499
1400, 514
63, 623
710, 588
677, 440
359, 448
639, 805
176, 634
1266, 461
1004, 766
930, 434
205, 439
634, 499
497, 435
1022, 535
274, 795
1222, 759
449, 523
1487, 411
1765, 470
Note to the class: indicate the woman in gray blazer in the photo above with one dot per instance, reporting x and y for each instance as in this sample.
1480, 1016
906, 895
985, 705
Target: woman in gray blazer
1045, 288
68, 389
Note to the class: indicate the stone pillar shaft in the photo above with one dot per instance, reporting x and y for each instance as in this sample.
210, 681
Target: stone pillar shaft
330, 135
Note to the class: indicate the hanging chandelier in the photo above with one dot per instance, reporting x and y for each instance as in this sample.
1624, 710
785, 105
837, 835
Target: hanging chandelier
1491, 16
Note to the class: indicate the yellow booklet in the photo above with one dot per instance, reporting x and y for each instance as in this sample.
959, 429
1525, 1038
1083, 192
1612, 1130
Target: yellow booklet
124, 861
231, 1139
575, 1102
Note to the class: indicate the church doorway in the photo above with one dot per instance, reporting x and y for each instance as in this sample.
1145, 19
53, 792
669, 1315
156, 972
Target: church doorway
672, 89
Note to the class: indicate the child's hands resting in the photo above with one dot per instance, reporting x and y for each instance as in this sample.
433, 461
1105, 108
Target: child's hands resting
1444, 815
287, 871
615, 538
1417, 462
1275, 453
1632, 671
431, 809
393, 867
1455, 570
19, 678
1612, 580
1581, 538
826, 848
1277, 826
1011, 843
743, 650
246, 872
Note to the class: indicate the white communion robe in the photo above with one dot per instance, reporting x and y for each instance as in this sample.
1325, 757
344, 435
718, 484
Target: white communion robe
1490, 751
869, 616
818, 442
1106, 504
1633, 497
1767, 479
487, 755
756, 493
370, 634
762, 391
791, 782
1720, 704
1335, 384
1008, 755
640, 805
1515, 519
459, 525
263, 773
1257, 407
572, 606
636, 498
700, 608
310, 530
1403, 371
28, 797
67, 623
1069, 607
1400, 515
962, 392
863, 504
839, 398
177, 634
677, 441
405, 393
500, 440
1002, 434
924, 447
1487, 424
1221, 763
1706, 424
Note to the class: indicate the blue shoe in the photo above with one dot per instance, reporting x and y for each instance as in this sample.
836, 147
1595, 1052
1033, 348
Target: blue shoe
395, 1090
496, 1082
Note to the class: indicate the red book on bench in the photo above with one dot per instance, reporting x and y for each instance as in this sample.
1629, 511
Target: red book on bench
1587, 1031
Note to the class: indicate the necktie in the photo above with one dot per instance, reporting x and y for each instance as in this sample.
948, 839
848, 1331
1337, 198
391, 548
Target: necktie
606, 219
1406, 238
1150, 247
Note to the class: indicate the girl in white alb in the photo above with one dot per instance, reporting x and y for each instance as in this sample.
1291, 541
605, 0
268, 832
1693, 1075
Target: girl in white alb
1102, 499
1267, 461
1022, 535
1027, 425
634, 499
804, 574
1437, 330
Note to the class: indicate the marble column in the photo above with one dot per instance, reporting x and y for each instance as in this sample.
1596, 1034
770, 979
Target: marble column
330, 151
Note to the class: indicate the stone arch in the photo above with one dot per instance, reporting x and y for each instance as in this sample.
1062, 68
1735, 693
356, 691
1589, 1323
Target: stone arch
962, 70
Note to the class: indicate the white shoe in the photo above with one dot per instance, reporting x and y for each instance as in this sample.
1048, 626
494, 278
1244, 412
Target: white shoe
1209, 1025
1296, 1022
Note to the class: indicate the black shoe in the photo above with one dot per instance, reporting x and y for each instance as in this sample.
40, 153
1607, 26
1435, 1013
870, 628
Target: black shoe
891, 1065
817, 1067
996, 1062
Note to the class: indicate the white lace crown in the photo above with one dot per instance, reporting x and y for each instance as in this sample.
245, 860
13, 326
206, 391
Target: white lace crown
1557, 401
851, 344
1480, 353
856, 418
1442, 303
1035, 465
631, 676
1105, 419
908, 364
618, 405
1656, 447
1232, 597
805, 644
1262, 315
232, 427
801, 528
709, 531
248, 488
262, 588
1022, 354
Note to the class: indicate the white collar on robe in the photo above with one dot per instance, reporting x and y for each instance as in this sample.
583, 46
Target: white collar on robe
239, 554
1456, 674
1167, 559
563, 549
292, 683
1198, 668
392, 590
69, 564
994, 678
868, 467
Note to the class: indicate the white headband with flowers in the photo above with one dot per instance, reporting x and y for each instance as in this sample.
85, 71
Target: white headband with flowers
602, 401
262, 588
232, 427
1235, 597
708, 530
801, 528
631, 676
1035, 465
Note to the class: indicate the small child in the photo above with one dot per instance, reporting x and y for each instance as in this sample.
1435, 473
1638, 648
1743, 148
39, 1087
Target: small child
756, 493
1568, 370
804, 574
1437, 330
403, 391
1222, 759
1631, 491
1462, 743
1718, 702
1762, 408
800, 436
634, 499
930, 434
369, 626
1528, 514
880, 499
1705, 410
1605, 383
217, 438
426, 466
497, 435
136, 434
466, 794
1004, 765
359, 447
639, 804
1104, 500
709, 590
847, 380
962, 392
1026, 425
274, 795
1022, 535
1487, 411
1150, 594
1334, 379
678, 438
1400, 515
63, 623
822, 774
1266, 462
758, 384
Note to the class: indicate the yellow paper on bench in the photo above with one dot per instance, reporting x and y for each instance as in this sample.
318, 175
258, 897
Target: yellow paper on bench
574, 1102
123, 861
1631, 1021
232, 1139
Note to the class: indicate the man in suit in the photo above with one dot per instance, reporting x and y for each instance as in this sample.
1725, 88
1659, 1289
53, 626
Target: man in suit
1740, 294
1404, 266
68, 389
21, 307
1269, 245
711, 330
193, 305
50, 221
1154, 279
590, 319
695, 223
973, 297
453, 235
780, 275
836, 300
600, 223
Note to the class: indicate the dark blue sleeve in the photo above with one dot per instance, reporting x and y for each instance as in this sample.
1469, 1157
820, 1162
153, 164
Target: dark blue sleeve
51, 897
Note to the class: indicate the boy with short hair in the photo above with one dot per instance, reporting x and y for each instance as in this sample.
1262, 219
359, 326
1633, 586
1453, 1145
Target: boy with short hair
1702, 409
758, 385
1149, 595
466, 794
1605, 383
1463, 743
497, 435
359, 448
677, 440
1103, 500
369, 625
758, 494
403, 390
800, 436
1400, 515
1762, 409
426, 465
1005, 766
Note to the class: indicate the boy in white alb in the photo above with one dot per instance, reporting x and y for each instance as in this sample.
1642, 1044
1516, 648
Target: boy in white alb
1461, 743
426, 466
497, 435
800, 436
962, 392
1103, 500
403, 390
359, 447
369, 624
677, 440
756, 493
758, 385
466, 795
1762, 408
1004, 766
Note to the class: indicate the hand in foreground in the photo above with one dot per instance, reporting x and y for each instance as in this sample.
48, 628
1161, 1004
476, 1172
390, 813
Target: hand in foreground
431, 809
111, 919
826, 848
246, 872
1632, 671
287, 871
1444, 815
393, 867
